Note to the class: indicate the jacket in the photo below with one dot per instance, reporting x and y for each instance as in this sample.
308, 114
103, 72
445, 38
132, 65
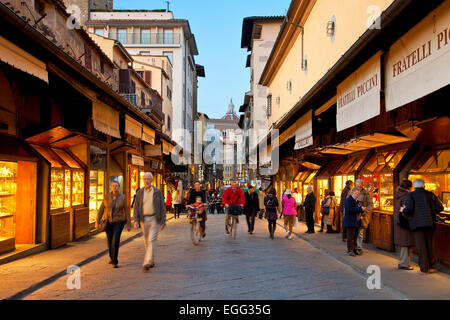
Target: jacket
352, 209
193, 194
120, 213
231, 197
331, 203
251, 203
289, 206
271, 204
310, 202
344, 196
402, 237
158, 202
421, 208
365, 200
169, 200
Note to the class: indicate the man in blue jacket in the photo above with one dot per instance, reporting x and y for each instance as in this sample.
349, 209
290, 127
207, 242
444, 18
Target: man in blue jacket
352, 220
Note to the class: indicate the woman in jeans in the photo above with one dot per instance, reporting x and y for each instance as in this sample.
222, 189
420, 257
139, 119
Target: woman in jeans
114, 212
289, 212
271, 214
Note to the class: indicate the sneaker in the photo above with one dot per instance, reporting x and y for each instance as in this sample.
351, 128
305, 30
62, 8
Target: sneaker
287, 234
149, 266
290, 237
359, 252
203, 235
351, 254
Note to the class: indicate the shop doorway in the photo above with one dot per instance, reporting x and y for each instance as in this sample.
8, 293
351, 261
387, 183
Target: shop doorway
17, 204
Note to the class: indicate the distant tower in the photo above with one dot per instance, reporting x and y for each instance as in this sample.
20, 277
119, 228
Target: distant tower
231, 115
101, 4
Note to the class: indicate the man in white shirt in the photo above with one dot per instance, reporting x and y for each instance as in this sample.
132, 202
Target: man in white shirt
150, 216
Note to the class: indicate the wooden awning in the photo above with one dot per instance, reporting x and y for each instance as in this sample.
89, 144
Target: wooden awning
133, 127
374, 140
148, 135
22, 60
105, 119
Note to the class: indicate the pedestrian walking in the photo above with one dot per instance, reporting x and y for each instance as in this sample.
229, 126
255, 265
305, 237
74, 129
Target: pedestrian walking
330, 212
289, 212
298, 200
344, 196
115, 214
403, 236
271, 214
150, 216
365, 200
169, 201
352, 220
177, 203
309, 206
421, 208
195, 192
233, 196
251, 208
323, 209
261, 194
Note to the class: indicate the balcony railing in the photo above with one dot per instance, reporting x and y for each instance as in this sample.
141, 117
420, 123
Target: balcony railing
146, 38
132, 97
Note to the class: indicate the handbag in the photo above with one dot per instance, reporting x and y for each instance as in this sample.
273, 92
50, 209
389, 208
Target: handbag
402, 221
325, 211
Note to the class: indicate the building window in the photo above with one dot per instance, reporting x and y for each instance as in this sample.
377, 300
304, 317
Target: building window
142, 99
168, 36
141, 73
145, 36
269, 105
168, 123
99, 32
169, 93
122, 35
168, 54
102, 67
39, 6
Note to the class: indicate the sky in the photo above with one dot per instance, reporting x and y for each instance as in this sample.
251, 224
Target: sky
217, 26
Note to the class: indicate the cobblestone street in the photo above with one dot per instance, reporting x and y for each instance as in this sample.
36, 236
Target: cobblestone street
251, 267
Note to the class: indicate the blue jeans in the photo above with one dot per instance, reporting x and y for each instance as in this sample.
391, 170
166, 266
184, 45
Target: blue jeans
113, 232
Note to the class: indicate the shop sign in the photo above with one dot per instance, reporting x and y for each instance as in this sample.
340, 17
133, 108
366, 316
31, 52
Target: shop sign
359, 96
137, 161
419, 63
304, 133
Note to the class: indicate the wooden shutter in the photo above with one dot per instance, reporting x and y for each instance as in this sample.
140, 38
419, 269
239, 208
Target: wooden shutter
148, 77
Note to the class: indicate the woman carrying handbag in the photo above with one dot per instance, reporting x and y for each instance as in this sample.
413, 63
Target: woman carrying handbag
403, 236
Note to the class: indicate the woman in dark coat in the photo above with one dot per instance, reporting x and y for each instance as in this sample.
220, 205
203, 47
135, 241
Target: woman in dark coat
352, 220
271, 204
404, 238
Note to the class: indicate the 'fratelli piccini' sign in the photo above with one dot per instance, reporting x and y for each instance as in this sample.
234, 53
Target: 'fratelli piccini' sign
419, 63
358, 96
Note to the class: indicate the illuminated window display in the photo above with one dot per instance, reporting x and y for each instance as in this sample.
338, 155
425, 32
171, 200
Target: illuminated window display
17, 181
96, 192
67, 179
378, 178
8, 187
435, 171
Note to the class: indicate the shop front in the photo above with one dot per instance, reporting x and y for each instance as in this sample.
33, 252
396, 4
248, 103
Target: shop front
323, 184
18, 195
379, 178
97, 181
434, 168
69, 216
